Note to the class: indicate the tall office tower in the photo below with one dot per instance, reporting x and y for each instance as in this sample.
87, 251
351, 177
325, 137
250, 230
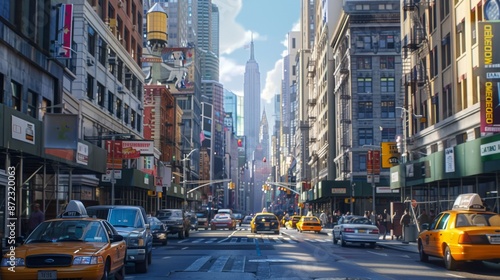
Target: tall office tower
251, 92
264, 136
208, 39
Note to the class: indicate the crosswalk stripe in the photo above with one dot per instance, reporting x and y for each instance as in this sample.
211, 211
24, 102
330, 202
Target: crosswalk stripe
233, 240
244, 239
266, 240
219, 264
277, 240
239, 264
211, 240
198, 240
198, 264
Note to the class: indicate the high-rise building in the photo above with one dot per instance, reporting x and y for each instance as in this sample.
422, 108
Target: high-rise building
251, 94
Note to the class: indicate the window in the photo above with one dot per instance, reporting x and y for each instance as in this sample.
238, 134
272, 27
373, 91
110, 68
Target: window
447, 101
102, 51
126, 114
90, 87
388, 134
365, 110
365, 136
111, 102
91, 40
132, 119
16, 95
118, 108
364, 63
2, 93
364, 42
364, 85
444, 9
388, 109
362, 162
387, 62
445, 52
139, 122
101, 94
387, 85
32, 103
434, 62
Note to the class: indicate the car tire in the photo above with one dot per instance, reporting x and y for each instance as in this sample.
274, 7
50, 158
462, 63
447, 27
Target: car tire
105, 275
449, 261
423, 256
335, 241
142, 267
150, 257
342, 241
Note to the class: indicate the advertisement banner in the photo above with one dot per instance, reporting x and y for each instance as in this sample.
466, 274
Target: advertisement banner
82, 155
61, 135
23, 130
390, 154
489, 75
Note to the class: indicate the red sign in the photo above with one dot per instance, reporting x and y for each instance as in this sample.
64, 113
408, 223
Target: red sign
373, 162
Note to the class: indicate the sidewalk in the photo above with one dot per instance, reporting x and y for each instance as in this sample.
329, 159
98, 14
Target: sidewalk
410, 247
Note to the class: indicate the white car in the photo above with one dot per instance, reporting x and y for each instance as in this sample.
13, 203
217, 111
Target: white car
355, 229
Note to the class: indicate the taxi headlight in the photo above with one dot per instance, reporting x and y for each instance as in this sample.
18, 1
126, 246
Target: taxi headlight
12, 261
87, 260
136, 242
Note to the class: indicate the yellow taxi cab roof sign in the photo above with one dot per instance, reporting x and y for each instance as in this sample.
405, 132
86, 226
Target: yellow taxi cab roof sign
75, 208
468, 201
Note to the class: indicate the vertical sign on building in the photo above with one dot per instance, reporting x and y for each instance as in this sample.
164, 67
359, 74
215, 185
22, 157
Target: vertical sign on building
64, 31
489, 75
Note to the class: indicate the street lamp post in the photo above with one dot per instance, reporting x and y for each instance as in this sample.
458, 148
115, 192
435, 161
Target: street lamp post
184, 185
373, 169
405, 133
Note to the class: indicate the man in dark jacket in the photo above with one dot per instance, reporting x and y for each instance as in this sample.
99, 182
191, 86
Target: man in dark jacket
405, 221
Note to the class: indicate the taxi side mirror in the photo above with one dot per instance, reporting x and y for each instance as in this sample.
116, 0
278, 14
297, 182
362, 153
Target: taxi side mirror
116, 238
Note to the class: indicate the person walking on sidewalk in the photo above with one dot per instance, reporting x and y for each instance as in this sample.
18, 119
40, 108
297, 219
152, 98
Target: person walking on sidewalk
405, 221
386, 221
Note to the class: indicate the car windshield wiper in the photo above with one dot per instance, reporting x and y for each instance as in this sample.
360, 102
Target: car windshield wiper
121, 226
69, 239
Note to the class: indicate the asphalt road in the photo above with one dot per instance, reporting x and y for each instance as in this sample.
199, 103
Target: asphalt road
239, 254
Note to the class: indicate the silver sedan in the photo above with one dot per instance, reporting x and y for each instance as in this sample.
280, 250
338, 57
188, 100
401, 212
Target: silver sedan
355, 229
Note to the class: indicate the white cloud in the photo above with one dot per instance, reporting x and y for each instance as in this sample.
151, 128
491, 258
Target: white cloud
273, 82
229, 69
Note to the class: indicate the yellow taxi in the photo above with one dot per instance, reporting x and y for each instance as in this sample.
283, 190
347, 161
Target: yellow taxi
465, 233
73, 246
309, 223
292, 223
265, 222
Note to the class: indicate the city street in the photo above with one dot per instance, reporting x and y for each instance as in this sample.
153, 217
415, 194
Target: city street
239, 254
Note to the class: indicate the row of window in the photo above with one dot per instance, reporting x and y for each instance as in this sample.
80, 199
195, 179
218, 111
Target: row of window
387, 110
365, 62
387, 85
114, 105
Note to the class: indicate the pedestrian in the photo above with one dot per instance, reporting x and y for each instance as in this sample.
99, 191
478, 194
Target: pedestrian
36, 217
405, 221
386, 221
323, 218
432, 215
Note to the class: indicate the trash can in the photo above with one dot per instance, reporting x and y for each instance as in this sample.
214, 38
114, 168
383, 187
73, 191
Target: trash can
411, 233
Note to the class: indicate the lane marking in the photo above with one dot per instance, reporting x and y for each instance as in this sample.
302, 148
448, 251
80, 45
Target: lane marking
184, 248
198, 264
379, 254
219, 264
257, 247
239, 264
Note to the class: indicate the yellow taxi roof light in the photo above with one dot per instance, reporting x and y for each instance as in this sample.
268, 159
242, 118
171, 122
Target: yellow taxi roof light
469, 201
75, 208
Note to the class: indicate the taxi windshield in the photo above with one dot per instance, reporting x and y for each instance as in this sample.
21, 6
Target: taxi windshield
68, 231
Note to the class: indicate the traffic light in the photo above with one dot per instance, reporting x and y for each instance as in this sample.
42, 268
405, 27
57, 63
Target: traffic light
240, 142
231, 185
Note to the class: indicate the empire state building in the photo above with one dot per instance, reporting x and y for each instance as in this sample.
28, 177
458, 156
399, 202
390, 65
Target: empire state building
251, 107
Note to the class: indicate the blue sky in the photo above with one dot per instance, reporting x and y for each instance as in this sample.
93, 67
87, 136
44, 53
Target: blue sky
269, 21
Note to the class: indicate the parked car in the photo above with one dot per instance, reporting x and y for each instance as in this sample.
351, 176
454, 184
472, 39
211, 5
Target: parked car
355, 229
177, 221
202, 219
221, 221
158, 230
466, 233
71, 247
309, 223
131, 222
265, 222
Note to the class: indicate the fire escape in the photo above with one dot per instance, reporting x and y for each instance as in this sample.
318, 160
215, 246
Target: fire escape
345, 108
416, 48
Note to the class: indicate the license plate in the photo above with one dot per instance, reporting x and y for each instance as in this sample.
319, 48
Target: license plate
221, 225
266, 224
495, 239
47, 274
361, 230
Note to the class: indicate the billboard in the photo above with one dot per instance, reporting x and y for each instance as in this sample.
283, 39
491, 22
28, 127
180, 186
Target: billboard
489, 75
